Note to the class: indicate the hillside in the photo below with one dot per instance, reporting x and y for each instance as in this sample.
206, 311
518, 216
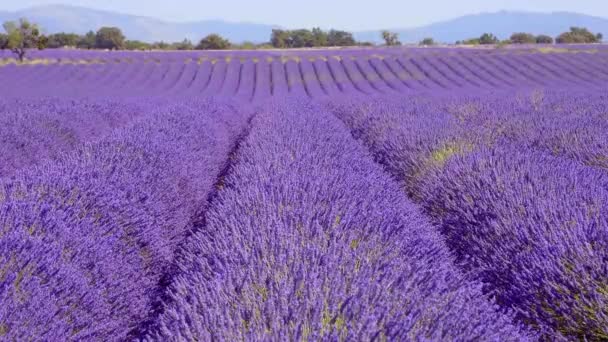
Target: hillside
502, 24
62, 18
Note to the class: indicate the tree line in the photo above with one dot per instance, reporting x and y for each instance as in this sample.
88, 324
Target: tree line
576, 35
22, 35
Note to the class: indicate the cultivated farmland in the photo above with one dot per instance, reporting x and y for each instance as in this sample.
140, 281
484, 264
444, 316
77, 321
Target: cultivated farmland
436, 194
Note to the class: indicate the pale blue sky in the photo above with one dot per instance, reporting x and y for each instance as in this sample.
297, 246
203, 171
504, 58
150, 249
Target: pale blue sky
347, 14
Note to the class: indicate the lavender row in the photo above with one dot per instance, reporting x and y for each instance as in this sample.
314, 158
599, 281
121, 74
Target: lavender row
230, 74
566, 124
533, 227
85, 241
309, 239
34, 131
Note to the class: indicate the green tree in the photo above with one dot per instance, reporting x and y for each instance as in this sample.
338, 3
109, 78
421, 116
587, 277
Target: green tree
246, 45
87, 41
429, 42
340, 38
472, 41
320, 37
162, 45
544, 39
264, 46
578, 35
185, 44
59, 40
213, 42
488, 39
110, 38
3, 41
316, 37
390, 38
279, 38
301, 38
23, 35
136, 45
366, 44
523, 38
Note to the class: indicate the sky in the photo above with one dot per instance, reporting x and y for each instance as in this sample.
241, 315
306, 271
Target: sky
344, 14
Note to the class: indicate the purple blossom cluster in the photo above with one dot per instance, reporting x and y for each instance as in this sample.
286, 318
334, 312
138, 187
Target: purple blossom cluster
385, 194
86, 239
256, 75
36, 130
310, 239
530, 224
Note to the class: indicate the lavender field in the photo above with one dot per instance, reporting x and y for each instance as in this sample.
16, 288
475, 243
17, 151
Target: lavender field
406, 194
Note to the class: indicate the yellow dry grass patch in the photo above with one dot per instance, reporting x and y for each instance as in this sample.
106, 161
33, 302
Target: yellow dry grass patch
552, 50
50, 61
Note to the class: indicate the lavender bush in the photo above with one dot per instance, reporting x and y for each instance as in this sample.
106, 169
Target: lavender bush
86, 239
309, 239
127, 212
531, 226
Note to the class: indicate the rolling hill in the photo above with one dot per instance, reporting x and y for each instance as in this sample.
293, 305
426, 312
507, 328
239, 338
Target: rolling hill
502, 24
62, 18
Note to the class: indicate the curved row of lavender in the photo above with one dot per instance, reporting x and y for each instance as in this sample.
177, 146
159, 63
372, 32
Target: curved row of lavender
250, 75
114, 157
86, 240
32, 131
310, 240
520, 194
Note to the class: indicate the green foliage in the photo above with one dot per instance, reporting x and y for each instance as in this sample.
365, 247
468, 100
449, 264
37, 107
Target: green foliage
523, 38
185, 44
279, 38
245, 46
3, 41
136, 45
320, 37
488, 39
87, 41
109, 38
23, 35
301, 38
544, 39
340, 38
59, 40
428, 42
472, 41
213, 42
366, 44
485, 39
162, 45
264, 46
316, 37
579, 35
390, 38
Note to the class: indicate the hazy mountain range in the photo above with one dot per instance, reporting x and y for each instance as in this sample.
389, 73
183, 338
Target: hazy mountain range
502, 24
62, 18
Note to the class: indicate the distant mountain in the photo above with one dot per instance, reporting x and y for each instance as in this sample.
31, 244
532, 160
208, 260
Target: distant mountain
62, 18
502, 24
